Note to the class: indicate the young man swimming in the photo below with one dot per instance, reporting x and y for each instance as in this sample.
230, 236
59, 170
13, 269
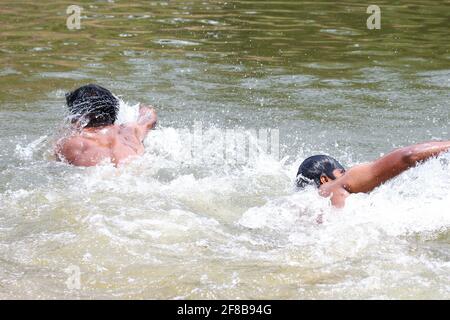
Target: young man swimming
337, 183
95, 137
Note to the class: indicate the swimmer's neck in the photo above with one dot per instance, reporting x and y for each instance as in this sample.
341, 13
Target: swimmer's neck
80, 128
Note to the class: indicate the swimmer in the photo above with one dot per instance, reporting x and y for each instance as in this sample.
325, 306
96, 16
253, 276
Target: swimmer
333, 181
95, 137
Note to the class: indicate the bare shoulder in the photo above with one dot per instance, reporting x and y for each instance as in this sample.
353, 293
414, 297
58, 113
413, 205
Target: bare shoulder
357, 179
139, 129
74, 142
360, 178
70, 147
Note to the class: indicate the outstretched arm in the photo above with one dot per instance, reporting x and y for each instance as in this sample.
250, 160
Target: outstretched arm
366, 177
146, 121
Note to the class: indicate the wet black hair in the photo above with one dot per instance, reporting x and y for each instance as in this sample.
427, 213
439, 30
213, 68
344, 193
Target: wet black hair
314, 167
94, 104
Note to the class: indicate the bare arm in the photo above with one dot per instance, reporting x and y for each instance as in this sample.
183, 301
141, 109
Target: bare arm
146, 121
366, 177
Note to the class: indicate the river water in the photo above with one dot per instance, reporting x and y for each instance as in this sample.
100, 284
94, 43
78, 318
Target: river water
172, 225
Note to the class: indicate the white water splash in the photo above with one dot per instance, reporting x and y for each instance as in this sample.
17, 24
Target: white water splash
169, 218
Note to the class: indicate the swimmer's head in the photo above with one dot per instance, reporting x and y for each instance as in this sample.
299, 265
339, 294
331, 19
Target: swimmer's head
93, 104
318, 170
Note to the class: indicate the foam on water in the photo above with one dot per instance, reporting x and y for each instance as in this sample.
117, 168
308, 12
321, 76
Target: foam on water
414, 202
127, 113
170, 225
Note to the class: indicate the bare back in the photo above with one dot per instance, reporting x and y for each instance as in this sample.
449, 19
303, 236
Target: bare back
115, 143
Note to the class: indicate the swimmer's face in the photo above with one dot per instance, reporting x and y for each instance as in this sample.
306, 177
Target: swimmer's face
337, 174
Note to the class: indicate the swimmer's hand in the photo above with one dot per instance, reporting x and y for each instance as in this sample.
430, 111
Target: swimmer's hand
146, 121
